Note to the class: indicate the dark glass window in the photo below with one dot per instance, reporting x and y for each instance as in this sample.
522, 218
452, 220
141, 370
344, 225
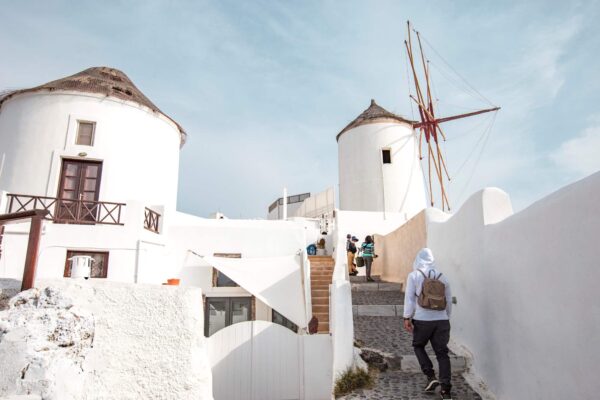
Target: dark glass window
220, 312
386, 155
219, 278
281, 320
224, 281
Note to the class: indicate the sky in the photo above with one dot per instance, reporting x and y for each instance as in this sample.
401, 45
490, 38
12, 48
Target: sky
263, 87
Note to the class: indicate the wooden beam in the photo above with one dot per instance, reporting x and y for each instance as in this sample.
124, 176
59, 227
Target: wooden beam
33, 245
13, 218
452, 118
33, 249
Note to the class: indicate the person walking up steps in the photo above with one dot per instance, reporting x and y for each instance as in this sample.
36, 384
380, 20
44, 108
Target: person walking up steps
427, 309
368, 252
350, 252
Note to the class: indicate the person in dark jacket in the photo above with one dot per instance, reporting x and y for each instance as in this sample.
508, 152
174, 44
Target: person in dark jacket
350, 252
368, 252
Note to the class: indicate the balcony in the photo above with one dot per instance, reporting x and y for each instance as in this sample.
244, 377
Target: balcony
66, 211
151, 220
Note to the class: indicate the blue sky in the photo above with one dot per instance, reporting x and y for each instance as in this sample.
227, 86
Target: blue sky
263, 87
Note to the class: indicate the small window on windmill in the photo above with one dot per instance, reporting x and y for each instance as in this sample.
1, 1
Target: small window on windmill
85, 133
386, 156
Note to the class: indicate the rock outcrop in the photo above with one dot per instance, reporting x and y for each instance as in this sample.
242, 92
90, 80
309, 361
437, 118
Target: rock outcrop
43, 343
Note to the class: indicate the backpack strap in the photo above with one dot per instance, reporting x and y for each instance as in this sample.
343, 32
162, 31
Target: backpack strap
438, 277
422, 273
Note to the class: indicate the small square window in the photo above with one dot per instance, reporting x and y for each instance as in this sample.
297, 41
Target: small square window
85, 133
386, 156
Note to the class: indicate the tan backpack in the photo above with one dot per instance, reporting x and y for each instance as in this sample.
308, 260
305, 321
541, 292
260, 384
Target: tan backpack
433, 292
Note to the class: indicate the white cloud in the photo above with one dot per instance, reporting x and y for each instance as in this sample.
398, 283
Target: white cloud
580, 154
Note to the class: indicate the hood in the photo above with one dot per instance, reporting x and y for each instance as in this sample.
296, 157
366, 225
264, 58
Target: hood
424, 260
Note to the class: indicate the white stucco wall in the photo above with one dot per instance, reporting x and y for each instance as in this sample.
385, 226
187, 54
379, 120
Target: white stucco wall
366, 184
139, 148
526, 286
135, 254
148, 340
205, 237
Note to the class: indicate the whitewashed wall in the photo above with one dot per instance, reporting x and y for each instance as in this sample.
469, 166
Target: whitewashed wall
368, 185
265, 361
526, 287
135, 254
148, 341
139, 148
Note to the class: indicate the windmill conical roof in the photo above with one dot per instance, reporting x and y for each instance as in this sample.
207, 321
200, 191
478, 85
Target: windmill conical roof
375, 113
99, 80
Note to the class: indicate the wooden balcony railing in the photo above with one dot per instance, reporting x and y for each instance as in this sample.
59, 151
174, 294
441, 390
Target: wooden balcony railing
151, 220
68, 211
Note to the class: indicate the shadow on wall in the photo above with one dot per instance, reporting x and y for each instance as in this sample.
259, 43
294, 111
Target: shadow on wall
526, 286
397, 250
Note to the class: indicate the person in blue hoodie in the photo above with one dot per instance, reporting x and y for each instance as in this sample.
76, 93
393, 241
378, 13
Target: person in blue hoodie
429, 325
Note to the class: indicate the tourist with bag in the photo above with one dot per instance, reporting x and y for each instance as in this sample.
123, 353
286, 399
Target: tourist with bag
350, 252
427, 308
368, 252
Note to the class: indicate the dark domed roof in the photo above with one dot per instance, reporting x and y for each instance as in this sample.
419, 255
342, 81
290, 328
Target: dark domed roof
375, 113
101, 80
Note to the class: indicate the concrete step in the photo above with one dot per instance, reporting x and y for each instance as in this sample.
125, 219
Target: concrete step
318, 279
409, 363
320, 300
320, 308
386, 310
328, 274
322, 317
323, 327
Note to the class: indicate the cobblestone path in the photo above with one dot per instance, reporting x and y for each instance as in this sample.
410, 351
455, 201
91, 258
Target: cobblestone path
378, 326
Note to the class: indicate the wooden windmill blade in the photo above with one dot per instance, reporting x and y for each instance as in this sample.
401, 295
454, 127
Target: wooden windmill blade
429, 125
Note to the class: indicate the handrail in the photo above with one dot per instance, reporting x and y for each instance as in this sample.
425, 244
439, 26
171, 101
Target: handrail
68, 211
151, 220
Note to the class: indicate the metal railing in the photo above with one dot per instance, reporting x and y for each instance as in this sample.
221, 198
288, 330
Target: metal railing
67, 211
151, 220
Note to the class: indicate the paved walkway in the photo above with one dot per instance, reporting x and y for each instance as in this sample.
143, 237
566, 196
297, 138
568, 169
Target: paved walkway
378, 310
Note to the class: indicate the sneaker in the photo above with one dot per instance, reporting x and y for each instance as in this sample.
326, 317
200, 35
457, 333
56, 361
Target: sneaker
370, 280
353, 273
432, 384
445, 395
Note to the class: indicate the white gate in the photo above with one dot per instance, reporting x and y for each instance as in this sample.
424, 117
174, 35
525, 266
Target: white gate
259, 360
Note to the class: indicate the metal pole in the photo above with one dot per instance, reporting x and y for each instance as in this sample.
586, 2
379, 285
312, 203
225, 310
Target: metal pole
285, 201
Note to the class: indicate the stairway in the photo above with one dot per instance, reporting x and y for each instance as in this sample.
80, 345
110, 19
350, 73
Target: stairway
378, 308
321, 271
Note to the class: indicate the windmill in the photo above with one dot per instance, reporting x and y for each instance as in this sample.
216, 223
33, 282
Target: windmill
429, 124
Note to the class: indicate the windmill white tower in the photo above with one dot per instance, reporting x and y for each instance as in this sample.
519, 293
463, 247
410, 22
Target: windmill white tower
379, 167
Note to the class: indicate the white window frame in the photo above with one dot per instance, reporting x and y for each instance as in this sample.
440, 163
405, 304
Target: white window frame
79, 122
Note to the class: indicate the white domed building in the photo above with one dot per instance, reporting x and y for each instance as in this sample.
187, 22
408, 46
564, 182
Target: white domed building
99, 156
379, 166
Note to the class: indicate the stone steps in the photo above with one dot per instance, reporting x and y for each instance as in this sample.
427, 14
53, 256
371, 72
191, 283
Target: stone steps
321, 272
380, 328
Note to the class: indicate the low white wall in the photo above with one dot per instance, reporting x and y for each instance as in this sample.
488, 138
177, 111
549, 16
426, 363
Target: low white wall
526, 286
148, 340
340, 307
